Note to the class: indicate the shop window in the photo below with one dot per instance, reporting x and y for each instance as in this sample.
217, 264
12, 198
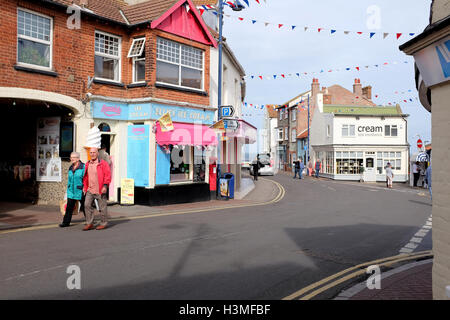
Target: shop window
107, 56
330, 162
394, 158
34, 39
199, 164
180, 160
179, 65
67, 139
349, 162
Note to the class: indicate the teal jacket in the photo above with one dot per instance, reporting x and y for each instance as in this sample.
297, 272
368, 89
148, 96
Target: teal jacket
75, 182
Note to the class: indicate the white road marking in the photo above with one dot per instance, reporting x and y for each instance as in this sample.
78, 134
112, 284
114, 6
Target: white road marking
418, 237
416, 240
411, 245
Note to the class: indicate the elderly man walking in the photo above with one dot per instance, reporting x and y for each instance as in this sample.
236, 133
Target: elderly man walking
96, 180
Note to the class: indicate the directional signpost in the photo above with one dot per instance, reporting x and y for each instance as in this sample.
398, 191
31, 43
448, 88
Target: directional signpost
231, 124
226, 111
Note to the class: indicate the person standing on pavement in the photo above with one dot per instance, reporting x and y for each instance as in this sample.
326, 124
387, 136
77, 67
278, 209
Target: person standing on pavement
310, 166
302, 167
74, 187
416, 172
97, 178
428, 178
256, 164
317, 168
389, 175
297, 168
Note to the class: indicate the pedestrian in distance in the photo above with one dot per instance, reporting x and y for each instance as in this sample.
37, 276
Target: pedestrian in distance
97, 178
74, 187
302, 167
256, 164
296, 168
389, 175
416, 172
428, 178
317, 167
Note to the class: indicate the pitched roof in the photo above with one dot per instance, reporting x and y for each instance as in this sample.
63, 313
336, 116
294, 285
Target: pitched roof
362, 110
342, 96
147, 11
271, 111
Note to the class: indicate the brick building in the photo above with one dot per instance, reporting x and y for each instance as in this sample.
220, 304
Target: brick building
115, 64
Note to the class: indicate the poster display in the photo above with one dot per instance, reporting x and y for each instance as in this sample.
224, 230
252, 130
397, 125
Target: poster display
224, 188
127, 191
138, 154
48, 163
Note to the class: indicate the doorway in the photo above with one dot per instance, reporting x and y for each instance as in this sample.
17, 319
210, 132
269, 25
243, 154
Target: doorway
370, 173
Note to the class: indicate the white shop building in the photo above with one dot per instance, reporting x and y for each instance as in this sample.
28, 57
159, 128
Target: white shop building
346, 138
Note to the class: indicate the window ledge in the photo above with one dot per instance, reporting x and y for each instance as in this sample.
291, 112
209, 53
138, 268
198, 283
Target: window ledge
168, 86
112, 83
137, 85
33, 70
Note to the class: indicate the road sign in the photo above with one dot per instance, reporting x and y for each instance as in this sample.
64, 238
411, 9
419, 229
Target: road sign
419, 144
231, 124
226, 111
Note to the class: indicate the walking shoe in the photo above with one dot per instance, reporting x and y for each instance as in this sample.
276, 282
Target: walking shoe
62, 225
100, 227
88, 227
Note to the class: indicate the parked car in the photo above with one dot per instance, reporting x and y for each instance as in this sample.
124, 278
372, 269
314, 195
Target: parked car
269, 168
246, 164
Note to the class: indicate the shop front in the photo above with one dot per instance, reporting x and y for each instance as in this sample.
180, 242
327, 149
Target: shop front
167, 166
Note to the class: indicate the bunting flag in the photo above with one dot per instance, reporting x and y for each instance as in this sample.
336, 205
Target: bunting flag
333, 31
298, 74
166, 122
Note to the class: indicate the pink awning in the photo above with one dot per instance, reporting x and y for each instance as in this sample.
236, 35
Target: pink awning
186, 134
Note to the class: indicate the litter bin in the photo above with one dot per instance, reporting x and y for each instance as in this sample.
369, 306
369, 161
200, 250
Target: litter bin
230, 177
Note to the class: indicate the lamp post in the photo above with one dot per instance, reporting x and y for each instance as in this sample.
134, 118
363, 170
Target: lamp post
237, 7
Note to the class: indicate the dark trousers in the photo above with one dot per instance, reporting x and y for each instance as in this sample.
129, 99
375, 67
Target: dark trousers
416, 178
297, 171
255, 174
69, 210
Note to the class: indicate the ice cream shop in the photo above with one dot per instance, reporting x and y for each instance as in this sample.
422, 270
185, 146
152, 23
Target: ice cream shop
168, 164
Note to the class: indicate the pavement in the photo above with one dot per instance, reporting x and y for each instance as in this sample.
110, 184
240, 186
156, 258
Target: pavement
20, 215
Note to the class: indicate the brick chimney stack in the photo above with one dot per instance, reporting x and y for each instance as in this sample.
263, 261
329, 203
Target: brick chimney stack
357, 88
84, 3
367, 92
315, 89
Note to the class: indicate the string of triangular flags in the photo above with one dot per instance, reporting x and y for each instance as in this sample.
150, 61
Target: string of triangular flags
330, 30
324, 71
231, 4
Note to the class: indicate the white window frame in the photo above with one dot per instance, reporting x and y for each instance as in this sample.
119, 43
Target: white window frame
280, 137
390, 130
137, 58
119, 77
293, 135
281, 114
50, 43
294, 114
349, 130
179, 64
135, 40
286, 133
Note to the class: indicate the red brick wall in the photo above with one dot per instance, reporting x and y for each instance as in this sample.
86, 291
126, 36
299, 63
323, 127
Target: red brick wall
73, 57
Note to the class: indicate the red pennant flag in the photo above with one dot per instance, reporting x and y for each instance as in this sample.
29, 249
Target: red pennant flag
359, 32
282, 75
405, 100
330, 70
357, 97
280, 25
376, 96
399, 35
389, 103
240, 18
260, 77
201, 11
385, 63
320, 29
357, 68
257, 1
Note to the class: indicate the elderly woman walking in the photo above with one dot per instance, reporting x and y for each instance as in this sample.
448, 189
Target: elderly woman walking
74, 187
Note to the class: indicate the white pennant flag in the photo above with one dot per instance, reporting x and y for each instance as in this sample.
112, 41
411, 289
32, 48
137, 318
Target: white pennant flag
385, 35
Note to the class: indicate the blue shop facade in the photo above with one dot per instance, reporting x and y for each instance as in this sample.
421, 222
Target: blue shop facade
167, 167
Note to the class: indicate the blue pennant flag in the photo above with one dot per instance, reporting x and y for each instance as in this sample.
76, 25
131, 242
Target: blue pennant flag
246, 1
333, 31
253, 21
372, 34
293, 27
252, 77
411, 34
321, 71
347, 69
410, 100
298, 74
376, 65
214, 12
274, 76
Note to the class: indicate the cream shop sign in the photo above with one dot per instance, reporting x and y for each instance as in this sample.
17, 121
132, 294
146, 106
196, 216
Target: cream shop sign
370, 130
149, 111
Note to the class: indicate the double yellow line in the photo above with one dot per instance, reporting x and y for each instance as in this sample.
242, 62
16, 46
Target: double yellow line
279, 196
316, 288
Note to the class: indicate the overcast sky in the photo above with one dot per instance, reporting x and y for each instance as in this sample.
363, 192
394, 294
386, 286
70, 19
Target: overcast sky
268, 50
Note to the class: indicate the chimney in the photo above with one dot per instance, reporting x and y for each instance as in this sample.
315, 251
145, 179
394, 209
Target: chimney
357, 88
83, 3
315, 89
367, 92
327, 98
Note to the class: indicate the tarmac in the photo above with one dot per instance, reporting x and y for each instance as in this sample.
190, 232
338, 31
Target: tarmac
411, 281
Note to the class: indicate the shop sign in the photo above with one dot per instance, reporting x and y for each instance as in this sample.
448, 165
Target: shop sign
183, 114
127, 191
48, 163
370, 131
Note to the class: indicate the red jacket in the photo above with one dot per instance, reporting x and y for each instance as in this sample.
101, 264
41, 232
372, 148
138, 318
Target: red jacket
103, 173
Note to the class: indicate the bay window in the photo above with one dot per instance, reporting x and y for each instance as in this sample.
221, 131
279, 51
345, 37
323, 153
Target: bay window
107, 56
34, 39
179, 65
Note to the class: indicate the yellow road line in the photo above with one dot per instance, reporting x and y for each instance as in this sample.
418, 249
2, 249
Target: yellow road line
355, 274
280, 196
323, 281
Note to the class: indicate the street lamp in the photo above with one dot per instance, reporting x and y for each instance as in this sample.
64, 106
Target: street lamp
237, 7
